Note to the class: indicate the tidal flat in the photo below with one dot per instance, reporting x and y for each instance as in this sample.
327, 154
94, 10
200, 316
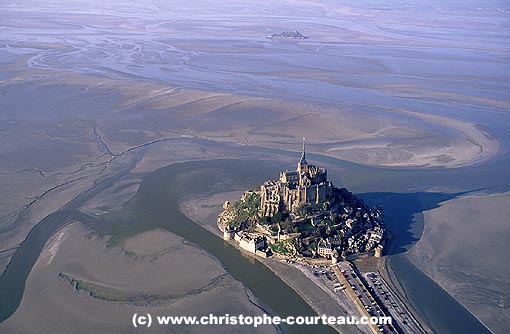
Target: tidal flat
405, 99
91, 287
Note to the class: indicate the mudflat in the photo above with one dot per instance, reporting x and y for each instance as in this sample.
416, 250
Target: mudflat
90, 93
91, 286
456, 235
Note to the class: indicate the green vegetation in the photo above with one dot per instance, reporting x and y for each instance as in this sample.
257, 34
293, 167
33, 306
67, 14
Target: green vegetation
274, 230
286, 247
306, 227
130, 254
245, 210
304, 210
280, 247
278, 217
81, 286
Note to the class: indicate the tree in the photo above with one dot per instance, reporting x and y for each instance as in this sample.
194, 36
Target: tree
304, 210
245, 210
278, 217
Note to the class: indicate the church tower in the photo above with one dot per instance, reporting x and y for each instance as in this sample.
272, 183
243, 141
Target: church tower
302, 162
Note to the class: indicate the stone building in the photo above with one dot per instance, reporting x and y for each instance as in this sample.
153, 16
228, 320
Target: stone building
307, 185
324, 248
250, 243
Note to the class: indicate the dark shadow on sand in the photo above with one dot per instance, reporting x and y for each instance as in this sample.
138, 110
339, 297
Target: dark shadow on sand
403, 215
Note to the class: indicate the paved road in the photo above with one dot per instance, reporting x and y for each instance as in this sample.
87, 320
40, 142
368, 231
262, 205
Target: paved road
324, 277
403, 319
365, 297
368, 296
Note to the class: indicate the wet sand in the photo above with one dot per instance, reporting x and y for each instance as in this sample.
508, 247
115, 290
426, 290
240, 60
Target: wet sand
123, 278
448, 252
110, 143
84, 97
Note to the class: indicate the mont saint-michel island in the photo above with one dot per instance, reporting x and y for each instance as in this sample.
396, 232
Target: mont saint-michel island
304, 221
302, 214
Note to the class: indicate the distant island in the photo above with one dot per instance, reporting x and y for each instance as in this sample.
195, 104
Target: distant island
287, 34
303, 215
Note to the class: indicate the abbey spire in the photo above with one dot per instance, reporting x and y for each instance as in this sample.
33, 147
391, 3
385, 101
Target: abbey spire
302, 161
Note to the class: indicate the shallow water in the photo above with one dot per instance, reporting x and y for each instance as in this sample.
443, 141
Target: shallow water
442, 311
157, 205
176, 182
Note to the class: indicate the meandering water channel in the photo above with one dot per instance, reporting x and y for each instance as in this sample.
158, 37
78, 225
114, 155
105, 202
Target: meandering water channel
157, 205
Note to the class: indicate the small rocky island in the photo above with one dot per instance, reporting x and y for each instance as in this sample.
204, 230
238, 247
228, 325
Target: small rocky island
303, 215
287, 35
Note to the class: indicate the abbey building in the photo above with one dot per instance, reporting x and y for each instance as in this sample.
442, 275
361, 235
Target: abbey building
307, 185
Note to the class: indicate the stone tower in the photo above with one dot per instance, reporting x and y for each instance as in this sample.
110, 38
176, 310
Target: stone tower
378, 251
228, 233
302, 162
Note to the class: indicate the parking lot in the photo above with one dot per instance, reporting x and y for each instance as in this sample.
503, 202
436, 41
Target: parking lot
365, 297
403, 320
325, 277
